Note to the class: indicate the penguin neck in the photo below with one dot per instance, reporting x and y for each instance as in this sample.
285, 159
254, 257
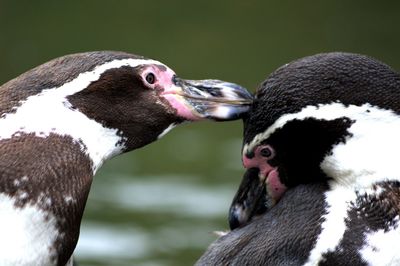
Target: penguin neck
369, 153
50, 113
52, 168
45, 192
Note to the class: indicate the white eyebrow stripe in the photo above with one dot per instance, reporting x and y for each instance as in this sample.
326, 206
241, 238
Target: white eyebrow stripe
322, 111
50, 112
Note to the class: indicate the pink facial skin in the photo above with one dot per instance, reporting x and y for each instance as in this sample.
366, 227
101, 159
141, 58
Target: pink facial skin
179, 105
163, 76
269, 174
164, 83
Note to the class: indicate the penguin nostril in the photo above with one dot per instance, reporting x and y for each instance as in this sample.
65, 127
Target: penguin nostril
250, 154
175, 80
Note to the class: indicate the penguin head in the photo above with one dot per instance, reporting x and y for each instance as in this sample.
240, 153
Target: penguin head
329, 117
143, 98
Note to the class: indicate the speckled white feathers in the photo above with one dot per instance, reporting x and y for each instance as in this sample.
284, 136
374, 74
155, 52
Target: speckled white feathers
27, 234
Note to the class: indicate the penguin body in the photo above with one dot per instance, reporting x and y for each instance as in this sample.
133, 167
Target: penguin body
280, 236
60, 121
330, 119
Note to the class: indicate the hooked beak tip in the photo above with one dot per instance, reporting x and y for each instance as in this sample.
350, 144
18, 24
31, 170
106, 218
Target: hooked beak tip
250, 200
235, 220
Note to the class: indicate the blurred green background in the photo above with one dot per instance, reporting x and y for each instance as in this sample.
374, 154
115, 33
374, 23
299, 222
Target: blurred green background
159, 205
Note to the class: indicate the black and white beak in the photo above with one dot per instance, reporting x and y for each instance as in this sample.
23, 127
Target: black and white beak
209, 99
251, 199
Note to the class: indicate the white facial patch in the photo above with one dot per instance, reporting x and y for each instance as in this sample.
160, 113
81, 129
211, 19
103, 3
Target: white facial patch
27, 234
50, 112
368, 156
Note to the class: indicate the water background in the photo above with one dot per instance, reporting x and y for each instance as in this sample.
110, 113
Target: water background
159, 205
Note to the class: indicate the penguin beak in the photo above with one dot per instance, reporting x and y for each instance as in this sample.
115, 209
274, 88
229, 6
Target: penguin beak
208, 99
251, 199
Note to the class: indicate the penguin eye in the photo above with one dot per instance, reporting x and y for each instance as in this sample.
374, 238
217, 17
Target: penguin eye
150, 78
266, 152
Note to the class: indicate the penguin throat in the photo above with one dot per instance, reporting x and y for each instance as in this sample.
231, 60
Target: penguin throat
275, 187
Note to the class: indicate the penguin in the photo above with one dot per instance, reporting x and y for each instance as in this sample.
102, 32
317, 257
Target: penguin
60, 121
321, 151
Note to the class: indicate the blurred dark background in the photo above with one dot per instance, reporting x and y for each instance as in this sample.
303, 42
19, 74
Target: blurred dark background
159, 205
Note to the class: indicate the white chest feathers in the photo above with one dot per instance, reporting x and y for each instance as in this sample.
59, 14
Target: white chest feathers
361, 225
27, 234
380, 247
